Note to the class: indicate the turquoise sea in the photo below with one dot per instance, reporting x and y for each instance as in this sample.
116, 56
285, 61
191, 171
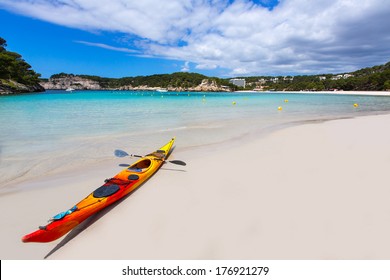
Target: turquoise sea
46, 132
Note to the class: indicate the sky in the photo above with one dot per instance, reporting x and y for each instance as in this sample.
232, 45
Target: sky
222, 38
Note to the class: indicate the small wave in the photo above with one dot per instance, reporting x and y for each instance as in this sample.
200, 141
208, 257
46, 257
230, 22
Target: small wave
207, 126
173, 129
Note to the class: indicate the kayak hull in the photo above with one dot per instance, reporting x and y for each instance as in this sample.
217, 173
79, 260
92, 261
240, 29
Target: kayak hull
112, 190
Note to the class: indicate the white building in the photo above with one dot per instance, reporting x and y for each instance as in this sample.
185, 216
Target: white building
262, 81
238, 82
338, 77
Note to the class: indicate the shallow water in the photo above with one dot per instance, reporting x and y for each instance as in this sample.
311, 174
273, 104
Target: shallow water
46, 132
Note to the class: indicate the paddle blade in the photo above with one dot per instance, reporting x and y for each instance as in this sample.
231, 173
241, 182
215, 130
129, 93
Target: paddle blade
178, 162
120, 153
124, 165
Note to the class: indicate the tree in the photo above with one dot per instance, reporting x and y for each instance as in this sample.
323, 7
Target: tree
3, 44
387, 85
14, 67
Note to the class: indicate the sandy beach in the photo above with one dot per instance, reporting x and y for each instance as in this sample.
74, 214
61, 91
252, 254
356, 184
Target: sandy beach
313, 191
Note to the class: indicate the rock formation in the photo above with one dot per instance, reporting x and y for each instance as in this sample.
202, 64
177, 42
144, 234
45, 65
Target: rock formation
11, 87
71, 81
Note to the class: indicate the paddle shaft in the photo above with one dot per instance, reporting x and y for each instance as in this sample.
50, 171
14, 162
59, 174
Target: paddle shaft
120, 153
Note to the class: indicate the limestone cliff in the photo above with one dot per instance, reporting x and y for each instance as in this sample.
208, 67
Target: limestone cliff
71, 81
209, 85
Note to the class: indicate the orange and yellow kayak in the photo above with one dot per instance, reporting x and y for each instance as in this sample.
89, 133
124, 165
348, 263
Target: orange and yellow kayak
113, 189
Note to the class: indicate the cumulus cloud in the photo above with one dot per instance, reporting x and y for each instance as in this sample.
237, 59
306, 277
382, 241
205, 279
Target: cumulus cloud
245, 37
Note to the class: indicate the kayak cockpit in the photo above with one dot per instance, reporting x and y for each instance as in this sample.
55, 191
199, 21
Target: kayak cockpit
140, 166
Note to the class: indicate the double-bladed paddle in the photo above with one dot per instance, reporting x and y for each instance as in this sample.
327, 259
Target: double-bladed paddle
120, 153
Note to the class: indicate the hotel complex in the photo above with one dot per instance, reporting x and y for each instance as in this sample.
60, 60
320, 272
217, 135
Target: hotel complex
238, 82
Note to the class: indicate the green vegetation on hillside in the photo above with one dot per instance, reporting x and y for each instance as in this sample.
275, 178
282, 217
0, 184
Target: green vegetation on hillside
179, 79
375, 78
13, 68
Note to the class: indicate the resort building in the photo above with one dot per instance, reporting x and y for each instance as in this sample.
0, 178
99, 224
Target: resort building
262, 81
345, 76
338, 77
238, 82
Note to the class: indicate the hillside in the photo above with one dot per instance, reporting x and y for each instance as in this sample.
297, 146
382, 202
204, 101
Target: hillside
375, 78
180, 81
16, 75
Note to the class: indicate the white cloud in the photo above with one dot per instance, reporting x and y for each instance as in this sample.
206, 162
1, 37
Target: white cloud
104, 46
185, 67
297, 36
206, 66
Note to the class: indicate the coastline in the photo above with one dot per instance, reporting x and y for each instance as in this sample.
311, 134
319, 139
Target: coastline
54, 141
338, 92
312, 191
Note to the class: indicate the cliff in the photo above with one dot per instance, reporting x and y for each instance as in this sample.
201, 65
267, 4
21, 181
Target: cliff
71, 81
12, 87
209, 85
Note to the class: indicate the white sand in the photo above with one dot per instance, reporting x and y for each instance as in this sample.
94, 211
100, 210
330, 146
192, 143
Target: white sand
315, 191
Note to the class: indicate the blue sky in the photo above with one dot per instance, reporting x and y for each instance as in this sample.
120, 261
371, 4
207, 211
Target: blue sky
225, 38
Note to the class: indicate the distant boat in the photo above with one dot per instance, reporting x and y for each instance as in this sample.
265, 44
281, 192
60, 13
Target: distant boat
70, 89
162, 90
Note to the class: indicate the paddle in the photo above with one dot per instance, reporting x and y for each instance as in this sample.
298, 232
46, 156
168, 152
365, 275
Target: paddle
120, 153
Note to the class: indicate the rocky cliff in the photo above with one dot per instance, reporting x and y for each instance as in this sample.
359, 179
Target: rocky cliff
11, 87
209, 85
71, 81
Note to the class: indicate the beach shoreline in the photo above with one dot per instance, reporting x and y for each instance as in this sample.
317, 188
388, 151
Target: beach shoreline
312, 191
53, 140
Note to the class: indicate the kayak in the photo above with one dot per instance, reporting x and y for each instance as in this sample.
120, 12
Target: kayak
111, 191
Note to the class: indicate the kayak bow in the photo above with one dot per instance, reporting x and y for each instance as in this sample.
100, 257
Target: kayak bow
113, 189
